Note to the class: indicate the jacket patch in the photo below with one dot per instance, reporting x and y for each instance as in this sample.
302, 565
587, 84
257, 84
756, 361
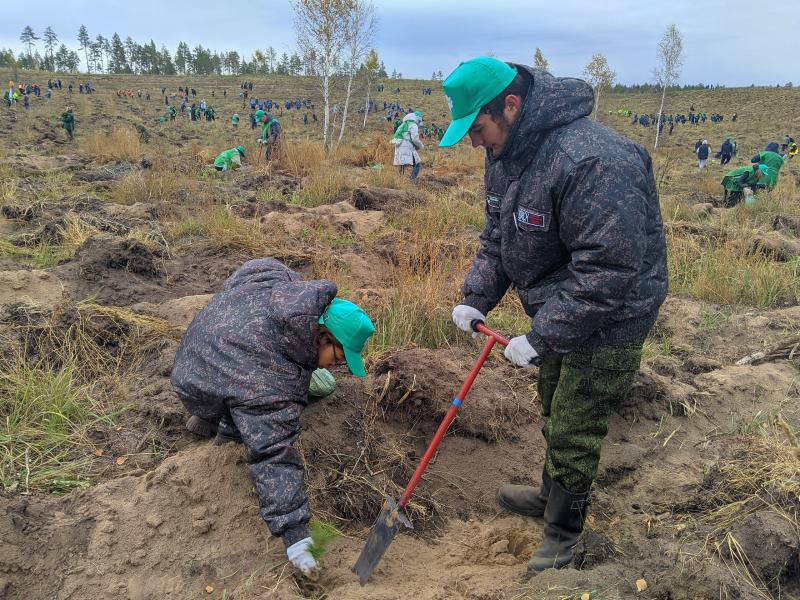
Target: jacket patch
531, 218
493, 201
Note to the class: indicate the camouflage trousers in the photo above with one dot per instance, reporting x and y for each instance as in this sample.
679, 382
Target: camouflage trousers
578, 392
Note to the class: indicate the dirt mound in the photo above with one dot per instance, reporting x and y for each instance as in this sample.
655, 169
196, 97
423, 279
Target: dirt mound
774, 245
386, 199
204, 270
122, 535
422, 383
771, 543
178, 312
276, 181
339, 218
107, 172
21, 211
102, 253
700, 197
787, 221
252, 207
139, 212
40, 287
438, 183
25, 164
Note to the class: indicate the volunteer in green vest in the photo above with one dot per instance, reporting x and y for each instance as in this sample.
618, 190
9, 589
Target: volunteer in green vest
742, 182
68, 122
230, 159
773, 160
270, 134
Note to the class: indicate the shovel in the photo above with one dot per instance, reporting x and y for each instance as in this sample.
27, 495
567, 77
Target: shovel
393, 517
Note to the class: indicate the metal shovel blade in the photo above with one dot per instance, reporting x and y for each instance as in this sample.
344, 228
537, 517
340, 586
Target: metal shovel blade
388, 523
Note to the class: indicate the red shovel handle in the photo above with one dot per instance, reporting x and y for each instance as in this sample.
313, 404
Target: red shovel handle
499, 338
492, 338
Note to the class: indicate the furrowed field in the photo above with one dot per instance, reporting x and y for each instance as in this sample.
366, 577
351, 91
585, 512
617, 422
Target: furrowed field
111, 243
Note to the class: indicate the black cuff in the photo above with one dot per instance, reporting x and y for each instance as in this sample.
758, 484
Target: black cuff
295, 534
479, 303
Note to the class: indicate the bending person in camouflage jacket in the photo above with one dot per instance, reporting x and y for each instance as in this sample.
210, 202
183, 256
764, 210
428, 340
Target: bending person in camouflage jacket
244, 367
573, 224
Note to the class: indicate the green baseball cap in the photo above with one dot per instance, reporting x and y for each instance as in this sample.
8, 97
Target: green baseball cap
469, 88
351, 327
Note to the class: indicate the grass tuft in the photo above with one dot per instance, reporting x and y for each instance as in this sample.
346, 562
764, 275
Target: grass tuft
121, 143
44, 418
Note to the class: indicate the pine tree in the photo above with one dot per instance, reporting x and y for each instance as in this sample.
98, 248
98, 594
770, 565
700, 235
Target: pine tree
50, 40
167, 66
131, 53
61, 59
28, 37
118, 62
85, 42
183, 58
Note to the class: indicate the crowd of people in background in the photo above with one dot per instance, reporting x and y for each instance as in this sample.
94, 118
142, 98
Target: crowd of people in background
669, 121
409, 129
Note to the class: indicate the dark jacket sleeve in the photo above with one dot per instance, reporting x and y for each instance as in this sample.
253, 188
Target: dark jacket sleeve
487, 281
602, 212
744, 179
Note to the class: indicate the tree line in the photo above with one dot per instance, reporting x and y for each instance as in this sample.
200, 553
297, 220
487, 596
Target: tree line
115, 55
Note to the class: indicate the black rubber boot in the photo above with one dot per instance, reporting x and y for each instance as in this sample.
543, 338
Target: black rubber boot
525, 500
563, 518
227, 432
200, 427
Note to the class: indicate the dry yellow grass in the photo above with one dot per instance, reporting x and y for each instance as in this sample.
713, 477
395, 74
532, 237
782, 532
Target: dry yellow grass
148, 186
221, 228
323, 186
301, 158
121, 143
728, 273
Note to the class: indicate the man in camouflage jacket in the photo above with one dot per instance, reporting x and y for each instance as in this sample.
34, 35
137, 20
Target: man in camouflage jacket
573, 224
246, 362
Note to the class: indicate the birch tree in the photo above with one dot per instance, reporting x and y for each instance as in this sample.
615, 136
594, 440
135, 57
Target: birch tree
670, 59
321, 28
371, 69
600, 76
359, 35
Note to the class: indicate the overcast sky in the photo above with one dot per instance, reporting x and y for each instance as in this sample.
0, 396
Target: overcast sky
732, 42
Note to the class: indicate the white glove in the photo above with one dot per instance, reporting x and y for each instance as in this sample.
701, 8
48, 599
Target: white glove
520, 352
299, 555
464, 315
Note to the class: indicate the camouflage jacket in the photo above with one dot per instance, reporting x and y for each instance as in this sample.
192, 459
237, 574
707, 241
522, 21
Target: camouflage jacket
572, 222
252, 351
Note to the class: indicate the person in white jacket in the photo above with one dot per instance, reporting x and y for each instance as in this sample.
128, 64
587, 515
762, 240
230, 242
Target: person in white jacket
407, 143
